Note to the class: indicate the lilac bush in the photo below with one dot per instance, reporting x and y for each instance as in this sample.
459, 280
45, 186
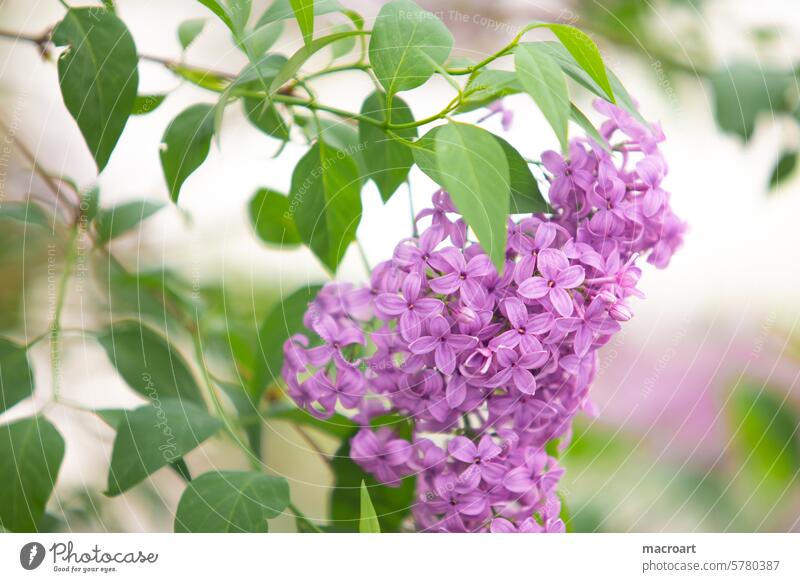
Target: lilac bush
491, 367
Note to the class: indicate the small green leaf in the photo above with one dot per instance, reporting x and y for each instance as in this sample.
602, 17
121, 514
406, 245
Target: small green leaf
31, 451
185, 145
338, 135
342, 47
783, 169
304, 13
585, 52
265, 116
269, 217
145, 104
16, 375
406, 44
282, 9
189, 30
424, 150
388, 160
147, 363
325, 202
231, 501
259, 40
543, 80
525, 194
116, 221
473, 168
153, 436
285, 320
487, 87
297, 60
98, 75
234, 13
27, 212
369, 521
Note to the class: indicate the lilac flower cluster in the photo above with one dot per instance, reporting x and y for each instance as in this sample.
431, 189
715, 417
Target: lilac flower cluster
490, 368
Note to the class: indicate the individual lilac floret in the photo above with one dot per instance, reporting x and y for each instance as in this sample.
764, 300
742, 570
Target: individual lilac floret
488, 367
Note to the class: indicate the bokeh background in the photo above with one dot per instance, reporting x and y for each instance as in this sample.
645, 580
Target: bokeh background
698, 398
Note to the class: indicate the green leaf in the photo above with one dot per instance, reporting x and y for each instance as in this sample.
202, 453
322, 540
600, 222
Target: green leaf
16, 376
406, 45
297, 60
185, 145
282, 9
304, 13
27, 212
339, 135
337, 425
543, 80
766, 440
285, 320
116, 221
488, 86
743, 91
571, 68
145, 104
265, 116
325, 202
31, 451
424, 150
98, 75
585, 52
148, 363
268, 215
578, 117
388, 160
247, 412
342, 47
783, 169
259, 40
526, 197
369, 521
473, 168
234, 13
392, 504
231, 501
189, 30
153, 436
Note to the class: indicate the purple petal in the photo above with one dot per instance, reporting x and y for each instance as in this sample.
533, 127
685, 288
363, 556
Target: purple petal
428, 306
423, 345
446, 284
533, 359
410, 326
463, 449
545, 235
411, 287
561, 301
552, 262
445, 358
533, 288
488, 449
516, 312
571, 277
391, 304
524, 380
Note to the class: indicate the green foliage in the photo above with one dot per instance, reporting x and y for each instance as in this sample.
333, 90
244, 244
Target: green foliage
742, 92
325, 202
153, 436
31, 451
268, 215
285, 319
231, 501
189, 30
369, 521
783, 169
388, 160
148, 363
304, 13
406, 46
185, 145
116, 221
337, 426
488, 86
98, 75
145, 104
543, 80
765, 439
391, 504
473, 168
27, 212
16, 375
525, 194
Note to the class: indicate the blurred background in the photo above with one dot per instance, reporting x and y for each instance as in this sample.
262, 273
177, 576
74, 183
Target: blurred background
698, 399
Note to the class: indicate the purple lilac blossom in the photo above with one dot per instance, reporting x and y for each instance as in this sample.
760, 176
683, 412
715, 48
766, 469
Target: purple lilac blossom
489, 368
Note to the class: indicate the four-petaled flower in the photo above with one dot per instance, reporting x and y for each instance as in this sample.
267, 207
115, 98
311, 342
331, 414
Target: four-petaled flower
444, 344
411, 307
516, 368
557, 277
